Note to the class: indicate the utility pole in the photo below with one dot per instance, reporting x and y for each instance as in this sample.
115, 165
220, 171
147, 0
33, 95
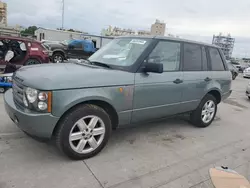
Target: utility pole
62, 14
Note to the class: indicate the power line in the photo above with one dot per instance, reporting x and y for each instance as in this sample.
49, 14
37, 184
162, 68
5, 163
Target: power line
62, 14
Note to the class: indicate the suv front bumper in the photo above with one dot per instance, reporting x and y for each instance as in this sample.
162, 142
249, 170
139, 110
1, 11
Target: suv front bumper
36, 124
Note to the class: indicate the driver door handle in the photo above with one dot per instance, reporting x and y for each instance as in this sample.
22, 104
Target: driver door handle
207, 79
178, 81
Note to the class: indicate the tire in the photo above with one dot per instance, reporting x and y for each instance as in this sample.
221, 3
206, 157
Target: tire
196, 116
234, 76
32, 62
85, 145
57, 58
2, 90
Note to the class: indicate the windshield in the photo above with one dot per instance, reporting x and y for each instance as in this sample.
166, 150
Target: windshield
121, 51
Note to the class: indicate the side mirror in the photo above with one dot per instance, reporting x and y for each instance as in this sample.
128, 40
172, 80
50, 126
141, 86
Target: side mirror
154, 67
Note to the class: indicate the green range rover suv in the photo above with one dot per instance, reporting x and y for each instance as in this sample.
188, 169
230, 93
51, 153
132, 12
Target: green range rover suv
129, 80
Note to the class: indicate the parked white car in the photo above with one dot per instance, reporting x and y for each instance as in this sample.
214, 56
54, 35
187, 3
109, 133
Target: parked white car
246, 73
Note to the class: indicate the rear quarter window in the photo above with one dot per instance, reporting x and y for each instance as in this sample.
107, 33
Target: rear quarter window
216, 60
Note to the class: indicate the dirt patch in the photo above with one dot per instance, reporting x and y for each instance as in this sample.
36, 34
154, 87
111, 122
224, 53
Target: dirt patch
179, 136
168, 140
238, 110
234, 103
131, 141
172, 138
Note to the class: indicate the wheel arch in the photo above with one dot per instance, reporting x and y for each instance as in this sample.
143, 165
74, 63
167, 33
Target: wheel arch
111, 111
216, 93
57, 51
33, 58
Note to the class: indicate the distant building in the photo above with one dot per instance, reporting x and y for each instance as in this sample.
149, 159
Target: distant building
143, 32
3, 14
116, 31
119, 31
158, 28
10, 31
43, 34
56, 35
226, 43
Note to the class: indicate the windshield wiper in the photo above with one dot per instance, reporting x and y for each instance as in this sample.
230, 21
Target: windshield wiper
99, 64
95, 63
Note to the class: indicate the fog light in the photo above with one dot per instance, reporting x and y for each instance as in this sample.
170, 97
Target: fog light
42, 106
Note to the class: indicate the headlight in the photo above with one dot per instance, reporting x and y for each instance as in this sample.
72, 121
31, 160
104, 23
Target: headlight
31, 94
42, 96
38, 100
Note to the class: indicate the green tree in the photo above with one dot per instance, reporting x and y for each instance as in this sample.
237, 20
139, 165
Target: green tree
29, 31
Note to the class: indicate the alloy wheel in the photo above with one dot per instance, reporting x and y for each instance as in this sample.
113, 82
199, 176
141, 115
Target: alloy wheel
87, 134
208, 111
58, 59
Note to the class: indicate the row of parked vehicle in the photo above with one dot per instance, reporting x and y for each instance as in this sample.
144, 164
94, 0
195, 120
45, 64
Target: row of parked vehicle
16, 52
28, 51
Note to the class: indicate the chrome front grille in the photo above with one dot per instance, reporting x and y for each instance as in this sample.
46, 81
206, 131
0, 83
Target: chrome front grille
18, 90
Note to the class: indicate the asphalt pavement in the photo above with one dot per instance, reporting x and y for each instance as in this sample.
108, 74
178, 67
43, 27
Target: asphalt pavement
168, 153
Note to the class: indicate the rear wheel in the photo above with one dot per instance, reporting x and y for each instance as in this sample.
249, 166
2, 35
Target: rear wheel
234, 76
32, 62
83, 132
204, 115
57, 58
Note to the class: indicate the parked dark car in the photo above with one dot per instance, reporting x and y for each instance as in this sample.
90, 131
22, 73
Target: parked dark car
79, 49
233, 70
57, 51
26, 51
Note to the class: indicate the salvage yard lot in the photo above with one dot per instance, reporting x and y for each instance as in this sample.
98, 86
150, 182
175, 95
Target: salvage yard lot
168, 153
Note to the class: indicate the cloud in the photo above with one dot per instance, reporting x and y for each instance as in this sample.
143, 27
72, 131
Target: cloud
192, 17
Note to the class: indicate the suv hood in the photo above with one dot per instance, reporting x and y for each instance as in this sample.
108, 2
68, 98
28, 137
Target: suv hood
71, 75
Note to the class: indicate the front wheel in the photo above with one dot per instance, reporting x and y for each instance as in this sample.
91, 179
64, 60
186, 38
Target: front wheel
204, 115
83, 132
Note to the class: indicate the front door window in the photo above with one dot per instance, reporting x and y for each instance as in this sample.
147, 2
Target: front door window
167, 53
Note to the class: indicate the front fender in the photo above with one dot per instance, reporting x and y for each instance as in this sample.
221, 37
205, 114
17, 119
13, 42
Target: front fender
63, 100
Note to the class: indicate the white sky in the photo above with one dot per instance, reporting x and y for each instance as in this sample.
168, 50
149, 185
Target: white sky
193, 19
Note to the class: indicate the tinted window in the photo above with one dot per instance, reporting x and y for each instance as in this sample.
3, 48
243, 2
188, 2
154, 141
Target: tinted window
192, 57
216, 61
204, 59
77, 45
167, 53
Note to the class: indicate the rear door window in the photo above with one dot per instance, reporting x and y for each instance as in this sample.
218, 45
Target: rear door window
216, 61
192, 57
